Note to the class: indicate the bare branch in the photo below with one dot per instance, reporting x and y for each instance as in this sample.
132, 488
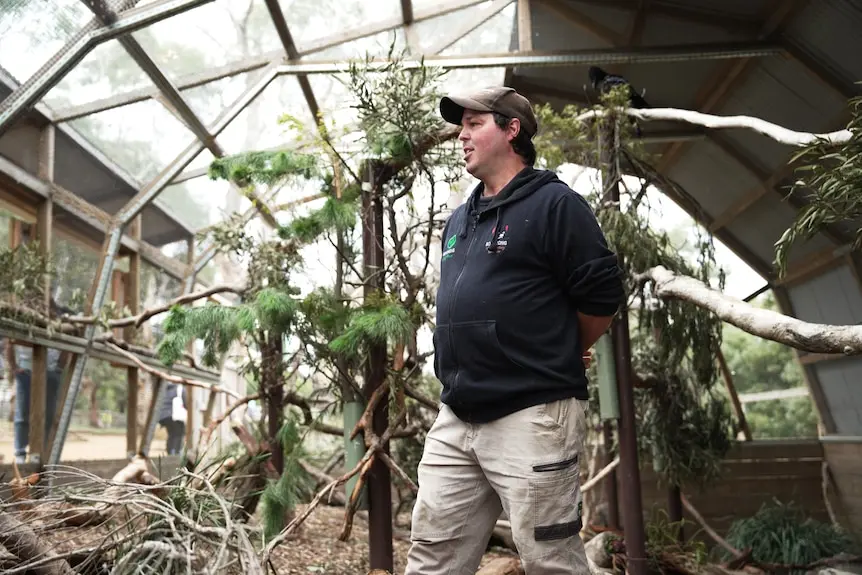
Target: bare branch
173, 378
778, 133
139, 319
766, 324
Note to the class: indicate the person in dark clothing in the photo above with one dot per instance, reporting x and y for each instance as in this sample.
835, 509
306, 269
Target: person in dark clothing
527, 286
172, 416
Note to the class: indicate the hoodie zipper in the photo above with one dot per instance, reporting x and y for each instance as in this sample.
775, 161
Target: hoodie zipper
454, 295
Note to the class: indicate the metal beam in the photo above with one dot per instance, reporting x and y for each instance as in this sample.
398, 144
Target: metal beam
652, 54
175, 102
257, 62
49, 75
112, 242
293, 54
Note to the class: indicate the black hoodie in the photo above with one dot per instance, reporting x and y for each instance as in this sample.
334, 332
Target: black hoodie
516, 268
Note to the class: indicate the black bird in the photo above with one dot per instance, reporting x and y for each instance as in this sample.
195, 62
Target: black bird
604, 83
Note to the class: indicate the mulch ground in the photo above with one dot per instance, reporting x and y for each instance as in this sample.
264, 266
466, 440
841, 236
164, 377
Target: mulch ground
318, 550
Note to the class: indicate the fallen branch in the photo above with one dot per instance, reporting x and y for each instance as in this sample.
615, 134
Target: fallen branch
709, 530
22, 542
778, 133
593, 481
766, 324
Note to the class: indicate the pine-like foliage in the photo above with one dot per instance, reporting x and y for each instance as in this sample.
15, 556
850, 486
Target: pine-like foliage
280, 497
220, 326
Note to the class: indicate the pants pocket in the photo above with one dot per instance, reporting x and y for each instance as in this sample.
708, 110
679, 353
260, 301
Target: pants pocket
556, 503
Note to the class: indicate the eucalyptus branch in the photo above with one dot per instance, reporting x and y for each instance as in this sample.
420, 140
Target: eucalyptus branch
766, 324
778, 133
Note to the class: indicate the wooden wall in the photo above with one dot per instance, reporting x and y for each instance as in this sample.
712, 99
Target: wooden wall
754, 473
844, 459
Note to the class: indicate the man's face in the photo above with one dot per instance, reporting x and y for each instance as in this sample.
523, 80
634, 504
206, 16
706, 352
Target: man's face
483, 142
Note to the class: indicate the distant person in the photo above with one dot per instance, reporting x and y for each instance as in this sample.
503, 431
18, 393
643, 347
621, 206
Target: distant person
172, 416
23, 377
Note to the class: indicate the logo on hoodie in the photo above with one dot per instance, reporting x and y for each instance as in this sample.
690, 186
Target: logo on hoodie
450, 247
501, 240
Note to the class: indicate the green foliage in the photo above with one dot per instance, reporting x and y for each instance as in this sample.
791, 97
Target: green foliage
23, 276
378, 322
219, 326
280, 497
781, 533
662, 541
830, 178
335, 214
264, 167
684, 429
397, 106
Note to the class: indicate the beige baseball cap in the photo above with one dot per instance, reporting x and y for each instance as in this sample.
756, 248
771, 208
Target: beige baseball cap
500, 99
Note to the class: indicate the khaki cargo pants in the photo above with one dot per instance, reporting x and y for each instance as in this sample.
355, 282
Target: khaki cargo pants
527, 464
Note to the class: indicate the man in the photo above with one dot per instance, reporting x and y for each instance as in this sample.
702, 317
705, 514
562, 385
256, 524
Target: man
527, 286
173, 416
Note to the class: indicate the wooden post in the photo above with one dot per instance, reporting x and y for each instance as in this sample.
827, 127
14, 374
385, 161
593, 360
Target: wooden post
190, 391
39, 372
734, 397
133, 302
629, 469
674, 510
379, 479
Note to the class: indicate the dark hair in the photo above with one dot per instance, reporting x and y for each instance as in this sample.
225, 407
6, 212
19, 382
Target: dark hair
522, 144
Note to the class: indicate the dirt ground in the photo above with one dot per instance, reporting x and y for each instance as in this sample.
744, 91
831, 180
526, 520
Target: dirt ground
318, 550
84, 445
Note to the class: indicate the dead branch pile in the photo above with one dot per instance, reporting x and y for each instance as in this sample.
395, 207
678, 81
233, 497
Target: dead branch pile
85, 524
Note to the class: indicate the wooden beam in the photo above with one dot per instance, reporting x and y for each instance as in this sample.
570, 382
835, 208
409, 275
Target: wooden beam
717, 89
525, 26
133, 302
678, 11
827, 422
750, 198
39, 370
762, 174
734, 397
583, 21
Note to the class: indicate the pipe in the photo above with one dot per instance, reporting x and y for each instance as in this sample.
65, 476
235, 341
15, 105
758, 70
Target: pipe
649, 55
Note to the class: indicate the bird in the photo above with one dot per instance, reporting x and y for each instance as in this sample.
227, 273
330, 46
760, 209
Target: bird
604, 83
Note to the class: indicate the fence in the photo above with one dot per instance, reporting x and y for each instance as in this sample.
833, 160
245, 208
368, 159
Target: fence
755, 473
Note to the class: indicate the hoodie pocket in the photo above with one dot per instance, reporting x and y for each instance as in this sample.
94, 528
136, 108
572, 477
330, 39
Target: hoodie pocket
481, 357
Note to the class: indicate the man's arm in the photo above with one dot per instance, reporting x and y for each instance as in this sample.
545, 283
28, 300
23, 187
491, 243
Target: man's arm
586, 267
592, 327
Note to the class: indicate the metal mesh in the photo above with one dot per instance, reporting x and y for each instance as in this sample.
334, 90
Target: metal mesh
52, 21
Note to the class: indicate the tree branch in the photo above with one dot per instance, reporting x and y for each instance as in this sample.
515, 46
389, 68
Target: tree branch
766, 324
173, 378
778, 133
139, 319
